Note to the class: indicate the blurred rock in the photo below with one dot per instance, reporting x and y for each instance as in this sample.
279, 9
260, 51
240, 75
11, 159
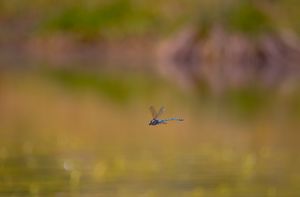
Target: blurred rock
225, 60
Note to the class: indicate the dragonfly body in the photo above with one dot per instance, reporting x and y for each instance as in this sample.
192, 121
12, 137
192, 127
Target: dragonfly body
156, 121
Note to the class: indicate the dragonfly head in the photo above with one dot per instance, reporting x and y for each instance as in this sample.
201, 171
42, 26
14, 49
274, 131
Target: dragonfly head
153, 122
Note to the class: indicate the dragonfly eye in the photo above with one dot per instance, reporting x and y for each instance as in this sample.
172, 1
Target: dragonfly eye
152, 122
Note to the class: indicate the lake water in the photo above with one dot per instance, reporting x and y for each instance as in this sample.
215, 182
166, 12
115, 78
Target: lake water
87, 134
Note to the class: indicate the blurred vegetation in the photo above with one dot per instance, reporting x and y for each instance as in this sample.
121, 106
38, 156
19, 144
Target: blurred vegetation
113, 19
119, 18
247, 18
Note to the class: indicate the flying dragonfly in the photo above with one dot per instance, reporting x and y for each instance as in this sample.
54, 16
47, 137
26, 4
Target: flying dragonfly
155, 115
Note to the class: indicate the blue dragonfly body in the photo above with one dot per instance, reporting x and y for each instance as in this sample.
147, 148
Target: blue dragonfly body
155, 115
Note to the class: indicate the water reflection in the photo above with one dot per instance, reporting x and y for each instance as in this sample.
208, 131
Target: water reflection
60, 141
186, 173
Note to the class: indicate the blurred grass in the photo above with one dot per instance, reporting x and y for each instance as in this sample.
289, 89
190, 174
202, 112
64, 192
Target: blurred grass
248, 18
124, 18
113, 19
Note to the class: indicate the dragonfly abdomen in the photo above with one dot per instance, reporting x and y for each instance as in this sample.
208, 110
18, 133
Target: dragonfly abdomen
178, 119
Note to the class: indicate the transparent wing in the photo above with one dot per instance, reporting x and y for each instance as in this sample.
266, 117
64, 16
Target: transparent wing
153, 112
161, 110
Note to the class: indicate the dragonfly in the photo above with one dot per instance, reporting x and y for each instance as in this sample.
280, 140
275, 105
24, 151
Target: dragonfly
155, 115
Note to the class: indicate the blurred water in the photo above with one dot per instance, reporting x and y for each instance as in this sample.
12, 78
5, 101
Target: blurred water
66, 134
150, 173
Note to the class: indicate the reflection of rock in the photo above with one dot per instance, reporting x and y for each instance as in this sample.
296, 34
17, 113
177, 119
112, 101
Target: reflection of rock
62, 48
179, 56
223, 60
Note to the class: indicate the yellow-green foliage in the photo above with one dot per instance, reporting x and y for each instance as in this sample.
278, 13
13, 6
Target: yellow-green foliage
246, 17
106, 19
119, 18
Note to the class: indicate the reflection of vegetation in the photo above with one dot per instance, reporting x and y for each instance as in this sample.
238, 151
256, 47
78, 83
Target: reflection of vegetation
81, 144
115, 86
248, 101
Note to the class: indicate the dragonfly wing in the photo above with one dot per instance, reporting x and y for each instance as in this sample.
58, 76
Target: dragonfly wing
153, 112
161, 110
